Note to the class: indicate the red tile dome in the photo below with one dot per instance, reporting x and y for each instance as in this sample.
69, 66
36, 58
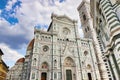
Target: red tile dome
21, 60
30, 46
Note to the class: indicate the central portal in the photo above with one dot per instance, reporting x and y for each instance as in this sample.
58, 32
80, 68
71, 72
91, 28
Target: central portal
44, 76
69, 68
68, 75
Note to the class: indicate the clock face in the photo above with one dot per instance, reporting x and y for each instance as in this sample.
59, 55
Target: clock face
66, 31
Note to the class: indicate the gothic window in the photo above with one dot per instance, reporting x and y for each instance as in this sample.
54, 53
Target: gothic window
55, 63
34, 61
55, 75
84, 17
85, 30
88, 28
33, 75
59, 75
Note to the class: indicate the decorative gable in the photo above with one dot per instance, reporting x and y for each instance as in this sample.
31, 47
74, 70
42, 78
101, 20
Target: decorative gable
65, 19
62, 18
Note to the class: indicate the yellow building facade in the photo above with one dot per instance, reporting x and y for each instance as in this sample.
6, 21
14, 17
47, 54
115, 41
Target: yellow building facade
3, 67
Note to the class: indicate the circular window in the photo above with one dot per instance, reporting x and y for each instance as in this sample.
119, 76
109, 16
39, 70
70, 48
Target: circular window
66, 31
45, 48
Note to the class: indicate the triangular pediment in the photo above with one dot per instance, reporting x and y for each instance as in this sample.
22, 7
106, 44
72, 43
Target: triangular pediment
65, 19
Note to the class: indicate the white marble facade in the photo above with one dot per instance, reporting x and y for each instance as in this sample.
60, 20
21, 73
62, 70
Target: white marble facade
15, 72
60, 51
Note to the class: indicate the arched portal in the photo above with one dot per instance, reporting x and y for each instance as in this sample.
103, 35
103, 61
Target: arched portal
43, 76
69, 69
44, 69
89, 69
89, 76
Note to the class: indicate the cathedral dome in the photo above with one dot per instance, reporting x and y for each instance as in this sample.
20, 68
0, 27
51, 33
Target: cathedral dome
21, 60
30, 46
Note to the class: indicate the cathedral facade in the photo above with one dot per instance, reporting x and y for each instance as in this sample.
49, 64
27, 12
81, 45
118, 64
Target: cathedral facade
60, 54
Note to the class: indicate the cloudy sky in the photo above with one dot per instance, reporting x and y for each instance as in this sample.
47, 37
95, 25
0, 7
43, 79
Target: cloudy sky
18, 18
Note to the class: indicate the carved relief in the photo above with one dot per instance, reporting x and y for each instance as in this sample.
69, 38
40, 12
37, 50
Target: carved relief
44, 65
69, 62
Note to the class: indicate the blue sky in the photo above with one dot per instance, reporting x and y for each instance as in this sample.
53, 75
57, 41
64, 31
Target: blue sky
19, 17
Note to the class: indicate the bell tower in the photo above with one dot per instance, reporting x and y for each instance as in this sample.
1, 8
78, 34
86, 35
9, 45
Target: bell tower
85, 17
89, 32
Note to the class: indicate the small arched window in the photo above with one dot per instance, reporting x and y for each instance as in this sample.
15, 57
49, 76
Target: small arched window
55, 75
55, 63
84, 17
85, 30
88, 28
34, 61
85, 53
33, 75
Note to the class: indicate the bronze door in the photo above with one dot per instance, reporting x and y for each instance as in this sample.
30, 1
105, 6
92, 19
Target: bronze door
68, 75
43, 76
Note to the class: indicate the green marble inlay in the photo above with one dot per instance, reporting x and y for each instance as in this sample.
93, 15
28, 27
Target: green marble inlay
113, 21
114, 26
111, 17
108, 10
110, 14
107, 6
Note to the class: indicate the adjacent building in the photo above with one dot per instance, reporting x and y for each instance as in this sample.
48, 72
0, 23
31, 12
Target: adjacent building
106, 20
87, 26
3, 67
60, 54
15, 72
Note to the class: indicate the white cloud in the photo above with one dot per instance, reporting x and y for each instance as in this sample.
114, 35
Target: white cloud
31, 13
39, 12
10, 56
